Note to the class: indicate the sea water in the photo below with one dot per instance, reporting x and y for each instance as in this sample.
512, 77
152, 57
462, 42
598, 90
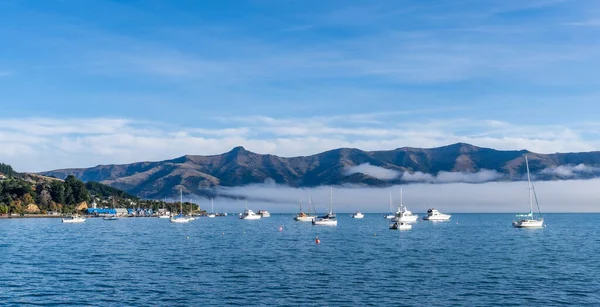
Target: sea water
471, 260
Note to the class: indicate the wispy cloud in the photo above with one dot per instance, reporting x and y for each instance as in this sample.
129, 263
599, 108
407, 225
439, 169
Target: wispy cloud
5, 73
373, 171
584, 23
509, 197
39, 144
571, 171
452, 177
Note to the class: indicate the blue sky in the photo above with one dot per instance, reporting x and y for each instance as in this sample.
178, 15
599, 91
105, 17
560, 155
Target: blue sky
96, 82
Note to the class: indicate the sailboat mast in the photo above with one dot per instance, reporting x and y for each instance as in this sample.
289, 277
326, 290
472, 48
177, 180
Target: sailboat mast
400, 198
212, 205
390, 202
530, 188
181, 200
331, 200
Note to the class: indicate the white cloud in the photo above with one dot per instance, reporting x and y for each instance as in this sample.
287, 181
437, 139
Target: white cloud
373, 171
570, 171
39, 144
508, 197
450, 177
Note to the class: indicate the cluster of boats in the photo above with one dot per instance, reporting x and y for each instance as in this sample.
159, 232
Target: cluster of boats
401, 219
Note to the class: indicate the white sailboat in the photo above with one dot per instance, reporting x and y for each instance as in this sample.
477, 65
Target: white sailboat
329, 219
391, 215
528, 220
180, 218
305, 217
212, 208
165, 214
404, 215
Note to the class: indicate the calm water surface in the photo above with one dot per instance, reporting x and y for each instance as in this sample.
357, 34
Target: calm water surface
475, 259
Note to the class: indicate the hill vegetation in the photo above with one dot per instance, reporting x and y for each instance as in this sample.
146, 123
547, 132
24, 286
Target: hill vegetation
199, 175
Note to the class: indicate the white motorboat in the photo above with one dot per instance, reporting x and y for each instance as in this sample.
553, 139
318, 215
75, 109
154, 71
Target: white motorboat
528, 220
358, 215
110, 218
403, 214
250, 215
400, 226
264, 213
164, 216
181, 218
305, 217
73, 219
435, 215
329, 219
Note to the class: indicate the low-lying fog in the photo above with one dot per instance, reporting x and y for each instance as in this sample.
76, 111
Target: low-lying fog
510, 197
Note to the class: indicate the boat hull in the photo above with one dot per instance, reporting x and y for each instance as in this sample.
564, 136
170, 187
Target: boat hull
304, 218
180, 220
443, 217
356, 216
73, 221
528, 224
406, 219
324, 222
250, 217
164, 217
400, 227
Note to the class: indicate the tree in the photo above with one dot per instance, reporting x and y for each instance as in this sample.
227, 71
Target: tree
57, 191
44, 199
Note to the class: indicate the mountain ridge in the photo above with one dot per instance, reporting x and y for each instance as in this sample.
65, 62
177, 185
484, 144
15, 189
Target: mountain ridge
237, 167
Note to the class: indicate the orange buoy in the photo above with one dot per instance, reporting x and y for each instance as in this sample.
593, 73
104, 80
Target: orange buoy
317, 240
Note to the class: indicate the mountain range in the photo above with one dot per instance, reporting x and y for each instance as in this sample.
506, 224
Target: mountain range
453, 163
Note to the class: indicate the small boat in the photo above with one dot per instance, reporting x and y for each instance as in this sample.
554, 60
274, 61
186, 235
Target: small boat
329, 219
528, 220
181, 218
358, 215
390, 215
164, 216
400, 226
434, 215
305, 217
73, 219
212, 208
110, 218
264, 213
403, 214
250, 215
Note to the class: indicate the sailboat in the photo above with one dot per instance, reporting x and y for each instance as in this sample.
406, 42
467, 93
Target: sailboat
114, 216
329, 219
165, 214
528, 220
403, 214
305, 217
391, 215
212, 208
180, 218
